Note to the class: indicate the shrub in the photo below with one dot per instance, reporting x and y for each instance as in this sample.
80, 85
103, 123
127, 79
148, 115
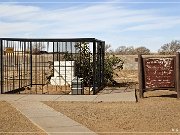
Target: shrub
84, 64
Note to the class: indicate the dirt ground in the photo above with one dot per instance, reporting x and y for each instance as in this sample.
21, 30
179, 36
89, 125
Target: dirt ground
14, 122
158, 113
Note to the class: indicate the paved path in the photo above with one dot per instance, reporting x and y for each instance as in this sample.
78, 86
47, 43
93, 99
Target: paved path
54, 122
112, 97
51, 121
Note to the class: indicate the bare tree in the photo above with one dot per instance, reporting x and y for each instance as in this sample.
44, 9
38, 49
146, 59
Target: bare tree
108, 49
170, 48
37, 48
142, 50
130, 50
121, 50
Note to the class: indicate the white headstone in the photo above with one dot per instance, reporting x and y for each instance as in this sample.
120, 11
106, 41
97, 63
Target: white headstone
63, 73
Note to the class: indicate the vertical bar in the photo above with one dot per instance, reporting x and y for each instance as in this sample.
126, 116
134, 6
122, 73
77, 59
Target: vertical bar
53, 57
65, 65
2, 78
140, 71
177, 75
25, 72
71, 63
41, 65
103, 53
17, 74
94, 67
90, 68
13, 64
98, 64
7, 67
31, 64
59, 44
35, 68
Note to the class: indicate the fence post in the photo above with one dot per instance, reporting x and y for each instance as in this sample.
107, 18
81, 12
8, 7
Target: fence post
177, 75
31, 64
103, 66
140, 72
1, 66
94, 68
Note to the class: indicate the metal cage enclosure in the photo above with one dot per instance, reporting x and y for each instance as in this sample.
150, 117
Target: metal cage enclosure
51, 66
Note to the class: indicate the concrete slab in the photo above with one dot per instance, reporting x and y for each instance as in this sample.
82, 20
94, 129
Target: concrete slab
40, 98
88, 98
117, 91
116, 97
1, 95
105, 92
48, 119
11, 97
32, 110
77, 130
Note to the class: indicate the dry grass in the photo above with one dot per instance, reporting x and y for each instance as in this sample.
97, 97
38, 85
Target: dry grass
159, 111
12, 120
125, 76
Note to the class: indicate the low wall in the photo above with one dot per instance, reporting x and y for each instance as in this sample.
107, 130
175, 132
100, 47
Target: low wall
131, 64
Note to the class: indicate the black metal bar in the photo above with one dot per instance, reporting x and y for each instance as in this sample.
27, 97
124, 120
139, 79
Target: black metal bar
53, 40
2, 72
31, 65
100, 64
53, 58
89, 77
94, 68
103, 66
13, 65
65, 66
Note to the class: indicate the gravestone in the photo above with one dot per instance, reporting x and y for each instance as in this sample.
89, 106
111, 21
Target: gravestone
63, 73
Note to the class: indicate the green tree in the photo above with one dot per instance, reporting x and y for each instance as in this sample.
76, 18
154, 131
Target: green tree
84, 63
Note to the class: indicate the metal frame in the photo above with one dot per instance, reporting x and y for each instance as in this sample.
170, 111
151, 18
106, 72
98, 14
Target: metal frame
24, 70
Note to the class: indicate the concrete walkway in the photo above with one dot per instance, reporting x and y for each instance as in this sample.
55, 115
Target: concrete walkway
54, 122
112, 97
51, 121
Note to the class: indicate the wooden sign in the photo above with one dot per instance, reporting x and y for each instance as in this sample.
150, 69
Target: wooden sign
159, 72
9, 50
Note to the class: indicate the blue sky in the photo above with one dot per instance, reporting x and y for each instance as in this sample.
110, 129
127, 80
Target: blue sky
149, 23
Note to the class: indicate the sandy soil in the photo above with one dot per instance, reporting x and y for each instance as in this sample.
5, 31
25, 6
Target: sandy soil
12, 120
159, 111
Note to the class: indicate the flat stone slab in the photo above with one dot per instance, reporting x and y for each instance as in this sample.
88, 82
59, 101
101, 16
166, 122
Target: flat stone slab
88, 98
26, 97
116, 97
11, 97
40, 98
51, 121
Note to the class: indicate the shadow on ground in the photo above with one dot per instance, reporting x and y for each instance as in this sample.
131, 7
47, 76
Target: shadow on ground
167, 96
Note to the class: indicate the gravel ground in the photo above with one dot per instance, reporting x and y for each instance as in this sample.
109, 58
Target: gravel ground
159, 111
12, 120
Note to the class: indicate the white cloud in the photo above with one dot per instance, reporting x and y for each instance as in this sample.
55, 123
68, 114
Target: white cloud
88, 21
83, 19
11, 10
